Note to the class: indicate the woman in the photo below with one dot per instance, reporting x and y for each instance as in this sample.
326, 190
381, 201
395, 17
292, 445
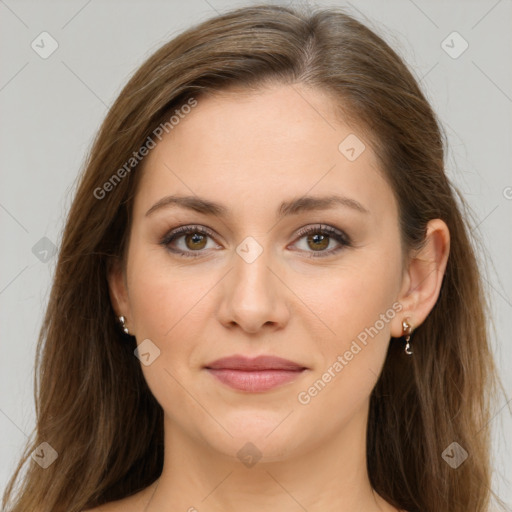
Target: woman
266, 298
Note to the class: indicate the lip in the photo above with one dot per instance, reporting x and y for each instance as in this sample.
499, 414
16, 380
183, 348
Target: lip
238, 362
255, 374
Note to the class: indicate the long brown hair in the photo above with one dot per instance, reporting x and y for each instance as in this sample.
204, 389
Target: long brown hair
93, 405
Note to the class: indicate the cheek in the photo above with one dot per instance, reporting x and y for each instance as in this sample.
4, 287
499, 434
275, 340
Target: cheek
358, 304
168, 310
171, 306
352, 298
162, 296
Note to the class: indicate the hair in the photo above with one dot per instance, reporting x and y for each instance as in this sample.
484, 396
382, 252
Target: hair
93, 405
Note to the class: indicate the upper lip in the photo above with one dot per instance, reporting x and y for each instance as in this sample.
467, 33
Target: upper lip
252, 364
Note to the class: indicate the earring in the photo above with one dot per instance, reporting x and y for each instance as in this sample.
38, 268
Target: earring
123, 324
407, 331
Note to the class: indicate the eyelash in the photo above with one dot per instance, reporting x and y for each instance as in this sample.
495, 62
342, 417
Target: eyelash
331, 232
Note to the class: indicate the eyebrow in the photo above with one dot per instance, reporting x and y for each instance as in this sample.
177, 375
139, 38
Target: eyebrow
292, 207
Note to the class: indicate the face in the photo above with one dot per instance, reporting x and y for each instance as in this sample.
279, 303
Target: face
314, 283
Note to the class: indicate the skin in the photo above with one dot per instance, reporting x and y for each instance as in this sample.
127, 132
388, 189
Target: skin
251, 151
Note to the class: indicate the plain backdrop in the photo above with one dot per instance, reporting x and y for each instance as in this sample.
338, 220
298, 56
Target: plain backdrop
52, 107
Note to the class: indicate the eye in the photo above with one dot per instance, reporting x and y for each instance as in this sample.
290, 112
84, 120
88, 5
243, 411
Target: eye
192, 241
319, 238
195, 240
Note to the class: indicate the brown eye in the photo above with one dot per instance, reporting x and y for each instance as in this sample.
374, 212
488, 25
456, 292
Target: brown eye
195, 241
188, 240
318, 242
319, 238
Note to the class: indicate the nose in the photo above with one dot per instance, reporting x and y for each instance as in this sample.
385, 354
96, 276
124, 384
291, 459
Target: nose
253, 296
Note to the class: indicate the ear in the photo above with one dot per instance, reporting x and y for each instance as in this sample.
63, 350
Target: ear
118, 288
423, 277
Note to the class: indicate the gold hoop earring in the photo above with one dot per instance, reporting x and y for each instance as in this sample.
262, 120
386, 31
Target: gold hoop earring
407, 331
123, 325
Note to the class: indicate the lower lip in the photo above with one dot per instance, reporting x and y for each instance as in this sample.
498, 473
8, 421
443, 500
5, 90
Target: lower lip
255, 381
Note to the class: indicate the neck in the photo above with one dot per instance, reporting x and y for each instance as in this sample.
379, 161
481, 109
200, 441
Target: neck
328, 476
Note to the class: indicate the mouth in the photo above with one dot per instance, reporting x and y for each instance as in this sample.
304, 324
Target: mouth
255, 375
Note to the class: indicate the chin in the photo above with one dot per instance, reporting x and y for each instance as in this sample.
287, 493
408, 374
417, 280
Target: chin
268, 436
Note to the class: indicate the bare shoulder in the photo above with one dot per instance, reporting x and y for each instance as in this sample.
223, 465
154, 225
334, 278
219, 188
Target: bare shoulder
134, 503
109, 507
115, 506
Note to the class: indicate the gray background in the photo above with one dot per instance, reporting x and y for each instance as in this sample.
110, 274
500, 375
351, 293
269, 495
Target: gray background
51, 109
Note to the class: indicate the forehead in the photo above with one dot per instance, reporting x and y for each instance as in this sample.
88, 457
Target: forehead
263, 146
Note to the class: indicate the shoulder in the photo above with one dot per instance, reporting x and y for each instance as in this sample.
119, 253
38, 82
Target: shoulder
134, 503
113, 506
